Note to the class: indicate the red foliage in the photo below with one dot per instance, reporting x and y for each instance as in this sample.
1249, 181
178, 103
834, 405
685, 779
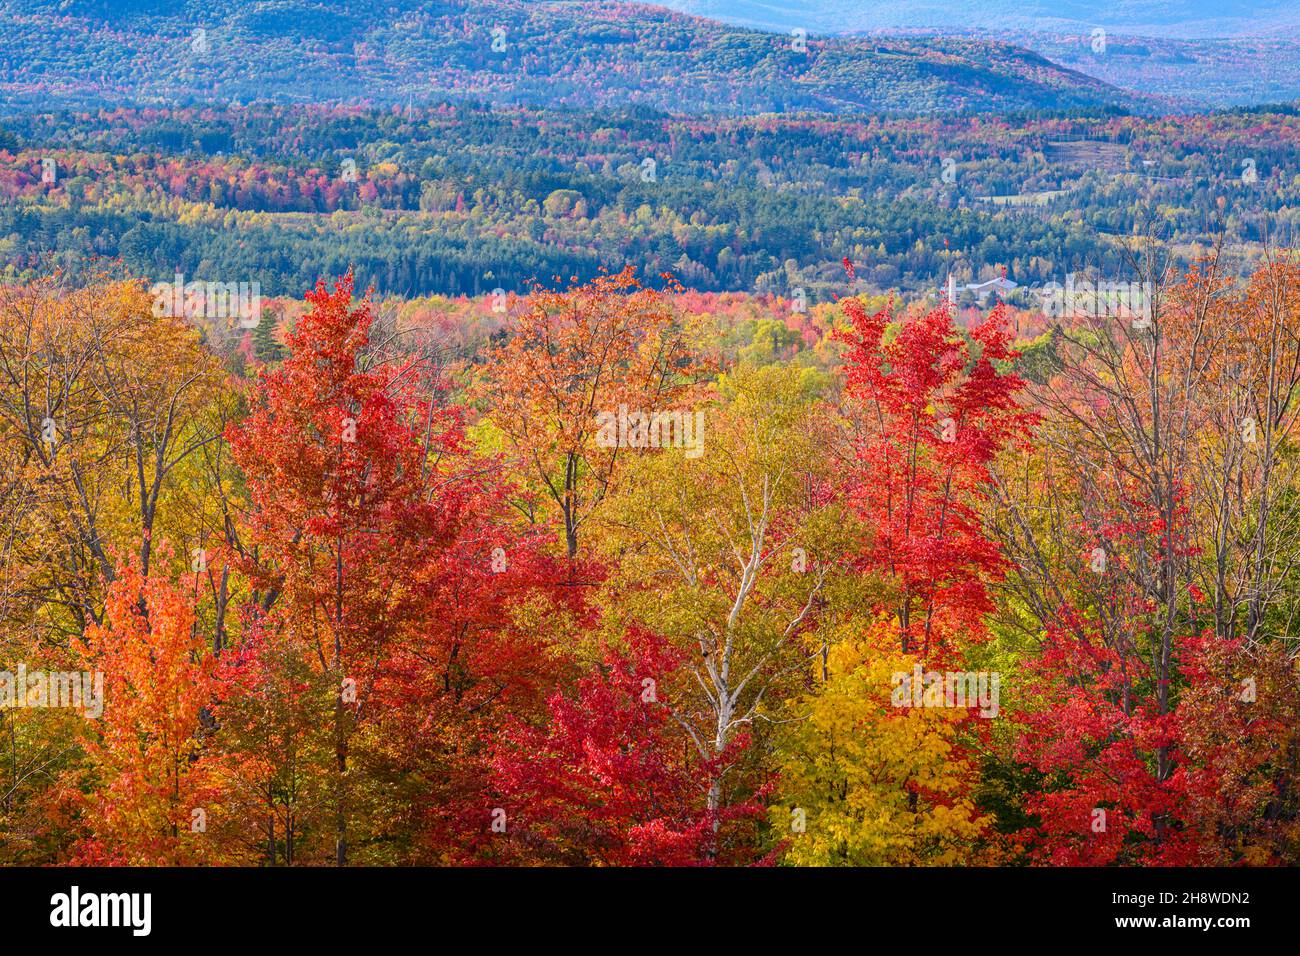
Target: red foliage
931, 410
611, 779
1094, 732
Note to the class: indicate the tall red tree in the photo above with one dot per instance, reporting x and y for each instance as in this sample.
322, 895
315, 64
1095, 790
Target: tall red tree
929, 408
336, 450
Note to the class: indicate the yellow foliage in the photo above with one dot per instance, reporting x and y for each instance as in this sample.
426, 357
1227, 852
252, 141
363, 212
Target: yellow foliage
865, 783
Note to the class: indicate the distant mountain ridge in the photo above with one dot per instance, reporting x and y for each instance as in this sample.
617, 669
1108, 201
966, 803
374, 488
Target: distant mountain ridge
1200, 54
1169, 19
584, 54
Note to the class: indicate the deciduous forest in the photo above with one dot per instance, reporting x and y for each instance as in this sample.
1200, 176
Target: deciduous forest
523, 435
366, 601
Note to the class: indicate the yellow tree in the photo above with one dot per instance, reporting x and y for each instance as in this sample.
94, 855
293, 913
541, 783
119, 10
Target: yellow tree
103, 407
864, 782
729, 553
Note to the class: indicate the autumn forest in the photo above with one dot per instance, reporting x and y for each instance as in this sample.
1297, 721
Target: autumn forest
512, 484
609, 595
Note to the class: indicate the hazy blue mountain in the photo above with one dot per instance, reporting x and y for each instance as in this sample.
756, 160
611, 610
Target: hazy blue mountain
1207, 19
1233, 53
